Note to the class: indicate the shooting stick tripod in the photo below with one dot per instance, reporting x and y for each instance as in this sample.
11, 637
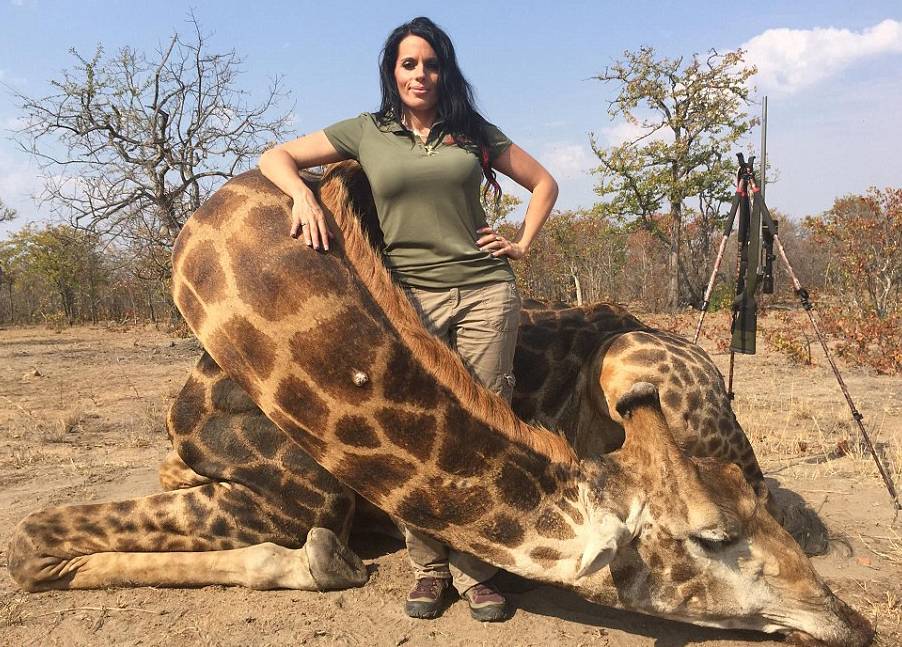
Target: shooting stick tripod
757, 238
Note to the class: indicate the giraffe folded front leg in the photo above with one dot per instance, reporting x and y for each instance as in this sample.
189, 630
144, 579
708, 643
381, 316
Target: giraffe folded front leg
332, 564
174, 474
323, 564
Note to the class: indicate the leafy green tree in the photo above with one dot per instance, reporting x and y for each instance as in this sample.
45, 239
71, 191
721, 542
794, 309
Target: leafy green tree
688, 115
62, 267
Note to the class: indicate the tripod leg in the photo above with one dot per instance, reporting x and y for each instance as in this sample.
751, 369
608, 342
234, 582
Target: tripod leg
856, 415
710, 288
730, 393
727, 230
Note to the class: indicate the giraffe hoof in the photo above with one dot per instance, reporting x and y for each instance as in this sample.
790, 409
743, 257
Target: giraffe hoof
332, 564
640, 394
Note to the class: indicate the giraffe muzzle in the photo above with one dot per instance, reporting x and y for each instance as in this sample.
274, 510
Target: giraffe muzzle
846, 628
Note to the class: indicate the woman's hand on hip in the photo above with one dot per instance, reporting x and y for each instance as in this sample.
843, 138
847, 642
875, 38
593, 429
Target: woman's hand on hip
308, 222
498, 245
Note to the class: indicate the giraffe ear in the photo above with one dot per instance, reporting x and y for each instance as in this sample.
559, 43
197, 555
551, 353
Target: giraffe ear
653, 452
647, 432
607, 538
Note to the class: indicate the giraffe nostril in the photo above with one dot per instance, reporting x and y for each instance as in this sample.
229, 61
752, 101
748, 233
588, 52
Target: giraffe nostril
359, 378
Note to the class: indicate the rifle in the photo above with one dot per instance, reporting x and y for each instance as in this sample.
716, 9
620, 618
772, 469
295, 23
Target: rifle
754, 262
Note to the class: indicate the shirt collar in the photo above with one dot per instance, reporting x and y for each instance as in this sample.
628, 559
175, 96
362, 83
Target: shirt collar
394, 125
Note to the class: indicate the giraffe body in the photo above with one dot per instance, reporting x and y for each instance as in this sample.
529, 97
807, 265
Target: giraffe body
295, 333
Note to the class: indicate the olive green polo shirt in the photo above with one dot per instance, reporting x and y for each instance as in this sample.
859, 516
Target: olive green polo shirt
427, 201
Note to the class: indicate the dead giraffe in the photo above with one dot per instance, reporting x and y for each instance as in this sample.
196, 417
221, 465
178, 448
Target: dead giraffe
331, 352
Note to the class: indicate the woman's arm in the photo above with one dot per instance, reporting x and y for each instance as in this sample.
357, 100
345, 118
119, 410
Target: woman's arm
523, 169
281, 164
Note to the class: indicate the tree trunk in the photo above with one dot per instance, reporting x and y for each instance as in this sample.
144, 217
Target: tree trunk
676, 217
578, 286
153, 312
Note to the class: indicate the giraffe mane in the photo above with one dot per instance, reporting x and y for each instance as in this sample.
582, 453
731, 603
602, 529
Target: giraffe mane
441, 362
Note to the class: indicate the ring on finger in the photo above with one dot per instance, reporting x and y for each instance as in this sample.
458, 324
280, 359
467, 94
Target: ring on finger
305, 224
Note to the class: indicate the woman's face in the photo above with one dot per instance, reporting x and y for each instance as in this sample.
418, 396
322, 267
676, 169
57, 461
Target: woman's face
417, 74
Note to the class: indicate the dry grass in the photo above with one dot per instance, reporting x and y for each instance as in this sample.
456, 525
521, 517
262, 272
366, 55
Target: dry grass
806, 429
20, 458
61, 429
884, 609
149, 425
12, 610
47, 428
886, 614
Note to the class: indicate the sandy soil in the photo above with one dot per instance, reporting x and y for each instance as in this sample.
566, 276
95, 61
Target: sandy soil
81, 419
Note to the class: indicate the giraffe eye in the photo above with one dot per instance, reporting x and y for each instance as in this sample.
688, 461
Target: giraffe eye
710, 545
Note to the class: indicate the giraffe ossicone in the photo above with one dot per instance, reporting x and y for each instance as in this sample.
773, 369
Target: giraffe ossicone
643, 527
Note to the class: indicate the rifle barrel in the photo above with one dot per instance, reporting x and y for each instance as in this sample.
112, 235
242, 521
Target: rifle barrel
763, 145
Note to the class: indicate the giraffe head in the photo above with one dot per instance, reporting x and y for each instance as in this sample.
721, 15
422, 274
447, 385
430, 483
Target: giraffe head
712, 556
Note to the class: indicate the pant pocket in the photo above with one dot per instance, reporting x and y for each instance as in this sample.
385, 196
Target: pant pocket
507, 309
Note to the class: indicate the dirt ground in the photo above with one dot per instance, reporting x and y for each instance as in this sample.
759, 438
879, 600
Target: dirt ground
81, 419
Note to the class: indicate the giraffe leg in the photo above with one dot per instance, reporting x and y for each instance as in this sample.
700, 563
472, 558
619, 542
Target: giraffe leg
176, 475
217, 533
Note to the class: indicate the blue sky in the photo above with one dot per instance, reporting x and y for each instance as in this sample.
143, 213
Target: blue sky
832, 71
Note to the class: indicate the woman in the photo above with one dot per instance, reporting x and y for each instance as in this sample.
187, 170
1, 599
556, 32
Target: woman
425, 153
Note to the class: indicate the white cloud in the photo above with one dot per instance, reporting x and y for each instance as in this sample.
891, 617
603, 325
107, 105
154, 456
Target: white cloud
791, 59
567, 160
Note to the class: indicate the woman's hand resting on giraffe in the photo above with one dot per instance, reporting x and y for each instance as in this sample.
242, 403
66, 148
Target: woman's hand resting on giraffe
498, 245
308, 221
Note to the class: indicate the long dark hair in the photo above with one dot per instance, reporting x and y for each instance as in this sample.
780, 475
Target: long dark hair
456, 104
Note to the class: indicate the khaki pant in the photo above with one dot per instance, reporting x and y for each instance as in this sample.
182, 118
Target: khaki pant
480, 323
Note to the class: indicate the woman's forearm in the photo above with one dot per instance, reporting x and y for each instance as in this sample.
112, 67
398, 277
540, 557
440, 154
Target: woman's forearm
279, 167
542, 201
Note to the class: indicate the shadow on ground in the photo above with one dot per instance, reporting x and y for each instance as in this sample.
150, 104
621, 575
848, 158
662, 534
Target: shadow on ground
800, 520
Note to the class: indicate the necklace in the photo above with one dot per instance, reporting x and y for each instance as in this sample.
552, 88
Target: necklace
422, 137
422, 133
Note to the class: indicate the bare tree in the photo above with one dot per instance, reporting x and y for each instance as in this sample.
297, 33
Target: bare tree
132, 144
